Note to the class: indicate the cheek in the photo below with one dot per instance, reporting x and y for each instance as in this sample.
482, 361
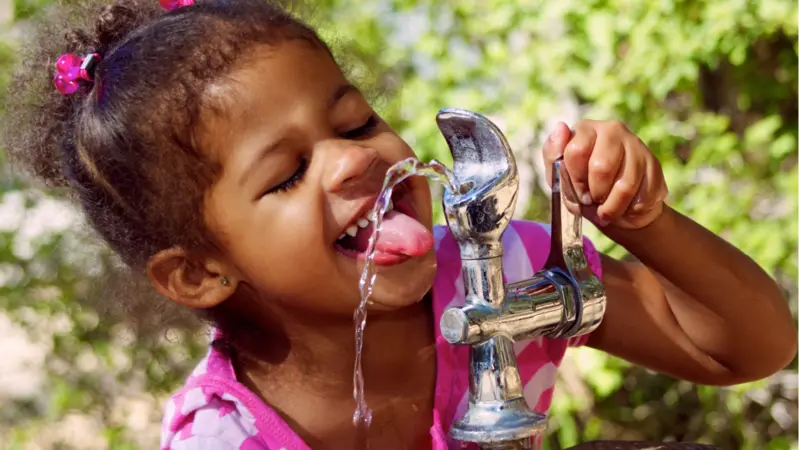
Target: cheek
277, 249
289, 237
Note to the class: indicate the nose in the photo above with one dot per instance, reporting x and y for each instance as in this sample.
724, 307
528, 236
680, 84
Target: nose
347, 165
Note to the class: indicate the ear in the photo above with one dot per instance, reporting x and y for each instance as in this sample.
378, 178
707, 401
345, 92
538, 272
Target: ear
189, 280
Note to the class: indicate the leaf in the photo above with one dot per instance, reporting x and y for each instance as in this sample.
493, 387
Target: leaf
710, 87
25, 9
763, 130
567, 432
782, 147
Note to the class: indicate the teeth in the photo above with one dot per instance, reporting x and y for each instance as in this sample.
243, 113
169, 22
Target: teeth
363, 222
341, 237
371, 215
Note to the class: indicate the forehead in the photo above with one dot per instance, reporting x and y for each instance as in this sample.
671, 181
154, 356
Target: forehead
269, 88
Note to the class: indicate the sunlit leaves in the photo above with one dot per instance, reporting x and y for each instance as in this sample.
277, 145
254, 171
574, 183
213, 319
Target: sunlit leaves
710, 86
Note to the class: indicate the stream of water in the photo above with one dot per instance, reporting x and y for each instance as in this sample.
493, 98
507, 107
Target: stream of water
434, 171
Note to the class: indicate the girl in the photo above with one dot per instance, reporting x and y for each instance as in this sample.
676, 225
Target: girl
219, 149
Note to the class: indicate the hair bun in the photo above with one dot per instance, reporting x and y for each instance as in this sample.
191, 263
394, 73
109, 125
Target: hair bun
114, 22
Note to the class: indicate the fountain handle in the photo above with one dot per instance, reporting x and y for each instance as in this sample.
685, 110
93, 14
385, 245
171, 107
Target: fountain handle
567, 255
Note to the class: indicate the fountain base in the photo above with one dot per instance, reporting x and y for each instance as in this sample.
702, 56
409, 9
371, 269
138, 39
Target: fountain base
493, 425
634, 445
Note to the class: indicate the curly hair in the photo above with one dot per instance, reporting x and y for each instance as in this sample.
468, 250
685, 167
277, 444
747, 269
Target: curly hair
124, 146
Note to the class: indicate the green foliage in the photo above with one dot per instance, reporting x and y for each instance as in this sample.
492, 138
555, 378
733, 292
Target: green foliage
710, 86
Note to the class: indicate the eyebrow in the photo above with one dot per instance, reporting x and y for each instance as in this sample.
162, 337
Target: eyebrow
338, 94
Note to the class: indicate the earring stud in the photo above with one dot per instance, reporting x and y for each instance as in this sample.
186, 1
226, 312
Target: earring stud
224, 281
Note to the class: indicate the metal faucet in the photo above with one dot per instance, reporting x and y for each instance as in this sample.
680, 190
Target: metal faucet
563, 299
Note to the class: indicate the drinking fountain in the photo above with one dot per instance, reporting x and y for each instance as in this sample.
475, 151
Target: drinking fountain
562, 300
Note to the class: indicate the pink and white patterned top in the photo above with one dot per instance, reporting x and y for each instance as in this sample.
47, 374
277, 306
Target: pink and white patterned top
214, 411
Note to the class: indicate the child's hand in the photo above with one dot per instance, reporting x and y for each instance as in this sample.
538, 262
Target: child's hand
615, 175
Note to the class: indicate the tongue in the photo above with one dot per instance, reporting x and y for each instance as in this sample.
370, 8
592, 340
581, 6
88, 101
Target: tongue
400, 235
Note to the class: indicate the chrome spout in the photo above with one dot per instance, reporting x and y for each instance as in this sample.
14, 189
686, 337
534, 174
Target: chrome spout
562, 300
480, 211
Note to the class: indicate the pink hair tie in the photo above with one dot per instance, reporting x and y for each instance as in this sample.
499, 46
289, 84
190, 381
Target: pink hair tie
70, 69
169, 5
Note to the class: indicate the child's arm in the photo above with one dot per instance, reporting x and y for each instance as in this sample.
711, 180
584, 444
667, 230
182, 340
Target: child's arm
693, 306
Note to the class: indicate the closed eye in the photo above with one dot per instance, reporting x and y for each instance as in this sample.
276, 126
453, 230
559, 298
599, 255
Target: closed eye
290, 182
364, 130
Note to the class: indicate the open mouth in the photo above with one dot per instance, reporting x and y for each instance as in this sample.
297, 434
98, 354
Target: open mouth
402, 235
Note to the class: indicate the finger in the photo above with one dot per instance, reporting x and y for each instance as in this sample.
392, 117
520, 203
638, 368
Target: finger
641, 202
554, 148
652, 191
624, 189
576, 157
605, 165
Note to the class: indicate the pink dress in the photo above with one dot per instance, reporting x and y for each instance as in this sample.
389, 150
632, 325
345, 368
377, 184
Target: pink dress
214, 411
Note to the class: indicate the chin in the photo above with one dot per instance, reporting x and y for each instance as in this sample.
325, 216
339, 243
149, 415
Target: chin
403, 288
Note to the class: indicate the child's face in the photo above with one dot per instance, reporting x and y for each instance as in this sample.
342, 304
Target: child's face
303, 156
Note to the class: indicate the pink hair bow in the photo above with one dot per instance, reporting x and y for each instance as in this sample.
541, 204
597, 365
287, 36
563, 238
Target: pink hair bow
70, 69
169, 5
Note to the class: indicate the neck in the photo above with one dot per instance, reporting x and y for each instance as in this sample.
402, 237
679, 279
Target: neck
302, 365
305, 349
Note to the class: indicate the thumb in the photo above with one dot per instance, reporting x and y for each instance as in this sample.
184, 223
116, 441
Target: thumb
554, 148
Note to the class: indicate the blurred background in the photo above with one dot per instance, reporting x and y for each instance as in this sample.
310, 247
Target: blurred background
710, 85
